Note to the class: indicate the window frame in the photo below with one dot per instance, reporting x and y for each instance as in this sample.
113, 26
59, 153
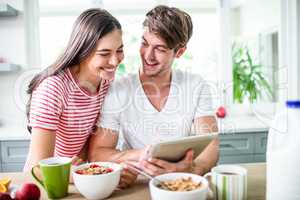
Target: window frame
226, 83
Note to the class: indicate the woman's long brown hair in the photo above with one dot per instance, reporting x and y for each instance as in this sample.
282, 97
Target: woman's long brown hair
89, 27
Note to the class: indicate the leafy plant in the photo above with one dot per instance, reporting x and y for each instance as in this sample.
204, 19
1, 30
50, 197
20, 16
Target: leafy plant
121, 69
248, 78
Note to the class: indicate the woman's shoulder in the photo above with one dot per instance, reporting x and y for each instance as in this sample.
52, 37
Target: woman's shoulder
58, 83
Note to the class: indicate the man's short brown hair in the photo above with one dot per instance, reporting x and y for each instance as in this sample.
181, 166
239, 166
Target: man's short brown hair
171, 24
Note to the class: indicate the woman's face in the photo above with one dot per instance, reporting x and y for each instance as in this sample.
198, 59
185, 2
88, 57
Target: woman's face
108, 54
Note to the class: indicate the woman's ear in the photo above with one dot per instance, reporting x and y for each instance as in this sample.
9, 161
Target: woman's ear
179, 52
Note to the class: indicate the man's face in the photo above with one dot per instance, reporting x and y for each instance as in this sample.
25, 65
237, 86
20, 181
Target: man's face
156, 57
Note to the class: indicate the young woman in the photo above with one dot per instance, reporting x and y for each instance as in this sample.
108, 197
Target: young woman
65, 98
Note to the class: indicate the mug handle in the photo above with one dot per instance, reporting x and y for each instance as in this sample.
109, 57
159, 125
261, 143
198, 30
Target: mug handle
35, 177
210, 193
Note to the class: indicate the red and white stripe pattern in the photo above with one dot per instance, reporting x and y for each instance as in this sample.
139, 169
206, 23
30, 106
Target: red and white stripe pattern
60, 105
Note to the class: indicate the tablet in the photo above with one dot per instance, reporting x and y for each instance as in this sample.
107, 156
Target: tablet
174, 150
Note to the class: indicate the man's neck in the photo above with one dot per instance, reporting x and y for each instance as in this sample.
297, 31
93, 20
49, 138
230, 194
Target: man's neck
161, 80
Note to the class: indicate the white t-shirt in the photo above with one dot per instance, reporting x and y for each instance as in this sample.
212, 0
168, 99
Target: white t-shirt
128, 111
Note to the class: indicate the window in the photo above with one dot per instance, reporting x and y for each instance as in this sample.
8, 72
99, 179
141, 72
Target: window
54, 34
201, 56
254, 30
251, 38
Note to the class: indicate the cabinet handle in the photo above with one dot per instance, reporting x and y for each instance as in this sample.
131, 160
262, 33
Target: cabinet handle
226, 146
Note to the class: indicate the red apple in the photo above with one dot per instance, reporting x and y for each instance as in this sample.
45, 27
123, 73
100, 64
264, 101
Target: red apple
5, 196
221, 112
28, 191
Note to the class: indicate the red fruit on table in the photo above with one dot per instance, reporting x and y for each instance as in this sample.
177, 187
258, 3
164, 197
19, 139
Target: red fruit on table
28, 191
5, 196
94, 166
221, 112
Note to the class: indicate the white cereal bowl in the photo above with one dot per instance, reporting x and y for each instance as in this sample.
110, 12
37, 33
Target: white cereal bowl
95, 187
161, 194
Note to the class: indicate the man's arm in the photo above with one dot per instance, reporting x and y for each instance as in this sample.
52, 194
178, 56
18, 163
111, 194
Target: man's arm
202, 164
103, 144
209, 157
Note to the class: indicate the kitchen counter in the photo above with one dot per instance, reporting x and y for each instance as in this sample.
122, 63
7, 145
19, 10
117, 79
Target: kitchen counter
243, 124
14, 128
13, 132
256, 185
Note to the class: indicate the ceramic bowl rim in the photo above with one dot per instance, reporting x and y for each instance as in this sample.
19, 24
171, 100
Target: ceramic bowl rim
118, 166
180, 174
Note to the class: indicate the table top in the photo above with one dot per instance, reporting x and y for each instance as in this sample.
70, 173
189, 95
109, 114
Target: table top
256, 185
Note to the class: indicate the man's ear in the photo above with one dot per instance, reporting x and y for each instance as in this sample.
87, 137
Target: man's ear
179, 52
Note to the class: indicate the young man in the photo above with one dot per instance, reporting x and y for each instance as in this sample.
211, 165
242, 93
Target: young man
157, 104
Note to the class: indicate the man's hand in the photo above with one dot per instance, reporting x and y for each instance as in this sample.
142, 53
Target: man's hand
154, 167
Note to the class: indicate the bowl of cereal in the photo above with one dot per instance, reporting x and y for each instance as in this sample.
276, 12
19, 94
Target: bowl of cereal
179, 186
97, 180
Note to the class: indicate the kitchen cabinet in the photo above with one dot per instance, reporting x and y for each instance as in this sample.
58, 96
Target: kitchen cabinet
243, 147
7, 10
13, 155
236, 144
8, 67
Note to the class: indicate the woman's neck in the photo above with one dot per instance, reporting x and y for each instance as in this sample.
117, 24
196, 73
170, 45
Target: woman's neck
87, 81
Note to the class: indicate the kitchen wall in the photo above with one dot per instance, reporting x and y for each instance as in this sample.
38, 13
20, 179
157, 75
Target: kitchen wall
12, 35
13, 49
252, 17
12, 95
257, 16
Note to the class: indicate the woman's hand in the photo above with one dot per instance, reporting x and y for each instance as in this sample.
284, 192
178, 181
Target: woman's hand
75, 162
128, 177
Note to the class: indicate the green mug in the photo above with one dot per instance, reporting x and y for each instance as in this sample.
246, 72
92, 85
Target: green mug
55, 173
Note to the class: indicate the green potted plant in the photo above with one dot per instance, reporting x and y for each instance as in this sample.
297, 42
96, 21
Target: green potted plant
249, 82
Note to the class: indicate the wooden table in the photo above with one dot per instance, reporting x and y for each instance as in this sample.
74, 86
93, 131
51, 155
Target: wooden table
256, 185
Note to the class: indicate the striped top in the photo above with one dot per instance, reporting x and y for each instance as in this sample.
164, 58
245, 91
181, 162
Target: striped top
59, 104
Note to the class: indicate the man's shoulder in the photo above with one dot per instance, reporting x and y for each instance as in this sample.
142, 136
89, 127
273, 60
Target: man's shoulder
184, 77
119, 93
123, 86
130, 77
125, 82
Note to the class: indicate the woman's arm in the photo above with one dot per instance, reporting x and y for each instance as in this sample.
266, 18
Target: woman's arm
102, 147
41, 146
